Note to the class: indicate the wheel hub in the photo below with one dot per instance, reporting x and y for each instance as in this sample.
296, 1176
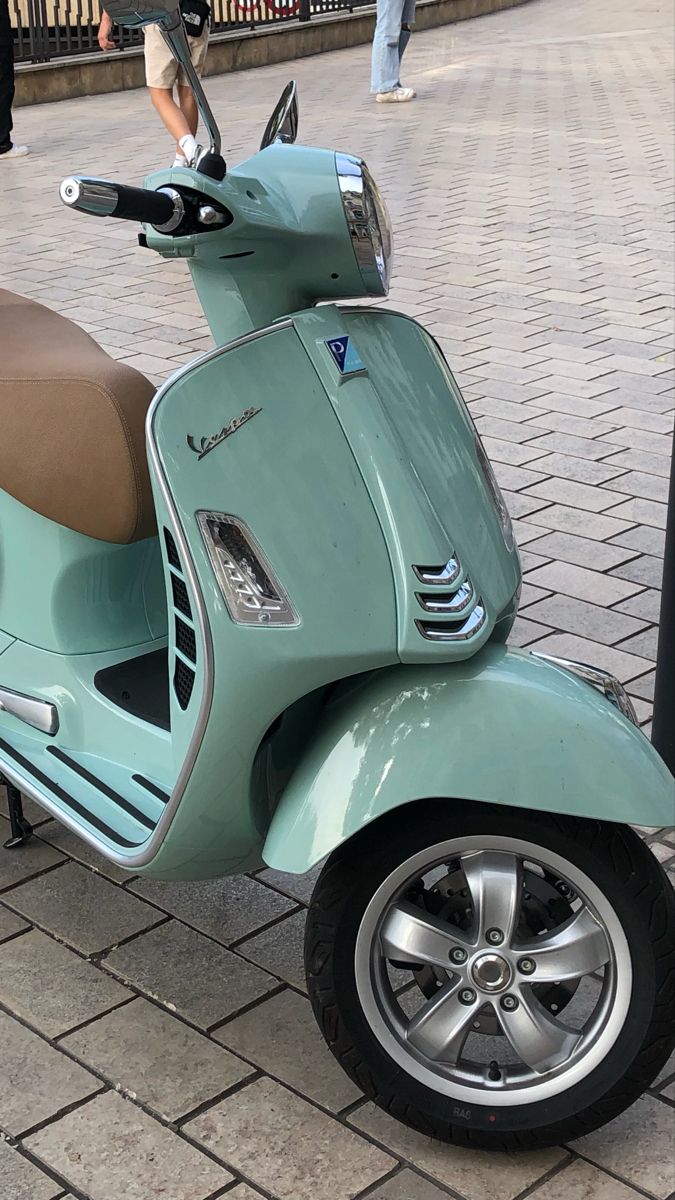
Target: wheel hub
491, 973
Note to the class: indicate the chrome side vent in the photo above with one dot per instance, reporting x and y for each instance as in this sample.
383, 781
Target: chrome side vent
443, 576
448, 604
434, 631
450, 597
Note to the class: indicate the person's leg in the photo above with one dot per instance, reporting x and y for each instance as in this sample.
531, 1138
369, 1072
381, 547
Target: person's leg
385, 59
172, 116
407, 20
188, 107
6, 93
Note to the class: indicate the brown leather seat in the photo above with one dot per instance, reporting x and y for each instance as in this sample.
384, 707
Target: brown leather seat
72, 426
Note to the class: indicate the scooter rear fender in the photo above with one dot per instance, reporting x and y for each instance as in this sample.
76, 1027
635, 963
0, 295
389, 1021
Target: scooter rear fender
503, 727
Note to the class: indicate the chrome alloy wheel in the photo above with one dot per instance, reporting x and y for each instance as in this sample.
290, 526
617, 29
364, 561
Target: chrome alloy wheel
493, 970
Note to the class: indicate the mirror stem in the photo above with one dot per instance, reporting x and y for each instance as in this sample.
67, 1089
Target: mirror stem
177, 40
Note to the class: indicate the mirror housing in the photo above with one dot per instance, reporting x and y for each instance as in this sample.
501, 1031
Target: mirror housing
283, 124
166, 14
134, 13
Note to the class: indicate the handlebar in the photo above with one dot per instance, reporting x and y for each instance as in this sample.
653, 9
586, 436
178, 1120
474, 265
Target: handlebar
163, 209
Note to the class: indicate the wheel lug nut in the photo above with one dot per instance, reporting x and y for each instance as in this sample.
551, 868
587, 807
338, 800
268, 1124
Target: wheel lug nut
509, 1003
458, 955
526, 966
467, 995
495, 937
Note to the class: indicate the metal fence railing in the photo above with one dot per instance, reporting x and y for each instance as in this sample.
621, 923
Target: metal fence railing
50, 29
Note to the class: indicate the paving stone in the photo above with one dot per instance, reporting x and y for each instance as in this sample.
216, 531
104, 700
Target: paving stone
645, 570
298, 887
581, 1181
638, 483
525, 632
10, 924
287, 1146
77, 990
190, 974
64, 840
244, 1192
582, 583
642, 460
637, 1146
474, 1174
281, 1037
588, 620
646, 512
114, 1151
580, 470
511, 452
225, 909
280, 950
25, 861
583, 552
156, 1058
643, 538
36, 1081
82, 908
626, 667
21, 1180
408, 1185
643, 687
578, 495
578, 521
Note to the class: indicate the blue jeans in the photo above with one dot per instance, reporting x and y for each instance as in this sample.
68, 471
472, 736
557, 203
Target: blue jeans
389, 42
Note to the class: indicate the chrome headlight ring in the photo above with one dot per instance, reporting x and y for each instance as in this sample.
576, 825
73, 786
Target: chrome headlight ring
368, 222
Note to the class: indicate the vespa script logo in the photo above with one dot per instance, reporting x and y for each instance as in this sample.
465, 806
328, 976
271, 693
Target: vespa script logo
207, 444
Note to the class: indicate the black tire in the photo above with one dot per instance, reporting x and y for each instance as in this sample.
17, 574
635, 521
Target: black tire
616, 861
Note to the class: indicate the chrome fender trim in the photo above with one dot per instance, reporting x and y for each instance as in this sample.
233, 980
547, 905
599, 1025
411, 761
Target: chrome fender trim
608, 684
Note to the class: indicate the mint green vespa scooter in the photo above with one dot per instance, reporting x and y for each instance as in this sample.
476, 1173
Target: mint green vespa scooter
260, 618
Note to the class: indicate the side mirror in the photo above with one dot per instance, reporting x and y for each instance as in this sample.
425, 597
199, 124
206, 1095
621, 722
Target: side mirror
143, 12
166, 14
283, 124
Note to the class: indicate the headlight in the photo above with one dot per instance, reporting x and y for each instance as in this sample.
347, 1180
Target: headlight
496, 493
368, 223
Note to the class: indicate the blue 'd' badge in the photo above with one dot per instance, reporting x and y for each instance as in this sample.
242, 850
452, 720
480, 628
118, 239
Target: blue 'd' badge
345, 355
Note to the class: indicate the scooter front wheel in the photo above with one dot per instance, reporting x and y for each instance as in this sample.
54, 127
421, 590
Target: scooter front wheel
495, 977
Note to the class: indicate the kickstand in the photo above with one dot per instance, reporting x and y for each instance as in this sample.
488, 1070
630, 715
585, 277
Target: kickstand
22, 829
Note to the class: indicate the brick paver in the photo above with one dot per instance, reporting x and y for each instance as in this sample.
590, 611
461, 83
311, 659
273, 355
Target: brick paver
529, 188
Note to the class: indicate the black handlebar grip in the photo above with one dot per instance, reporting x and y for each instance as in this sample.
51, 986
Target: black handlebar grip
140, 204
103, 199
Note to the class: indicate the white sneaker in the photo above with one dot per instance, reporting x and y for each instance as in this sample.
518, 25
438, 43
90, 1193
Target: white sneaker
15, 152
398, 95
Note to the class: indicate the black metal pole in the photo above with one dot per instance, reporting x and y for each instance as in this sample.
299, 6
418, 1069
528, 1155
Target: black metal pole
663, 726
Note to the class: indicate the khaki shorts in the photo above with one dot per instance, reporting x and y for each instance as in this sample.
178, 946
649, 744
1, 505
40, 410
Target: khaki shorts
161, 68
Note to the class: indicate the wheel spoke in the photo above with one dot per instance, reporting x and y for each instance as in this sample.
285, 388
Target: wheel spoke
494, 880
542, 1041
574, 949
440, 1029
409, 934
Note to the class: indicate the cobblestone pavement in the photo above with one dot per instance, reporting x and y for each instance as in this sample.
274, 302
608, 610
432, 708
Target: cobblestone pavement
155, 1039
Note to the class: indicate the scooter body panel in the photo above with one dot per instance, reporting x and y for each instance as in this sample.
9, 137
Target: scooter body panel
71, 594
502, 727
287, 472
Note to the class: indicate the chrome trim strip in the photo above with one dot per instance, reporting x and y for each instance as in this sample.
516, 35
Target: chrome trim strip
150, 846
436, 632
608, 684
39, 714
454, 605
439, 576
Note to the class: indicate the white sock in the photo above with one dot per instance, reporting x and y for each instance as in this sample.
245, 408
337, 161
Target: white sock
179, 161
189, 146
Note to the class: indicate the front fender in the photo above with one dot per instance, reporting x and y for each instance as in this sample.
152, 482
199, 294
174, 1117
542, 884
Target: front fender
503, 727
